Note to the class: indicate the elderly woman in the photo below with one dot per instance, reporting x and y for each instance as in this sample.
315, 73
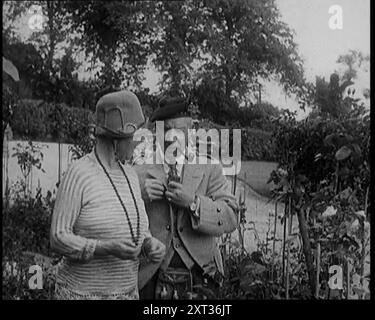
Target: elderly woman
99, 222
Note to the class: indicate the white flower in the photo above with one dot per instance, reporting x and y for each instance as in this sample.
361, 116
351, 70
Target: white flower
361, 213
355, 225
367, 226
282, 172
329, 212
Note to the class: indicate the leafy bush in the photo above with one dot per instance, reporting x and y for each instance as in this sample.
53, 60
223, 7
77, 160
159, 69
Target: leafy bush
259, 274
16, 277
25, 242
324, 173
41, 121
256, 144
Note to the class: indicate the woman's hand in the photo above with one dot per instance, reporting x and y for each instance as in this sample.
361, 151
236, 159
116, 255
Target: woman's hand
121, 249
154, 249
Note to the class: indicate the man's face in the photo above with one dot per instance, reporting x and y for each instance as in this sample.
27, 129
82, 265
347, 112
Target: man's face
178, 127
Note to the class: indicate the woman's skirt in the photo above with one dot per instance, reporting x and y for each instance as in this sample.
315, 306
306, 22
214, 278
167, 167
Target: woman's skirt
62, 292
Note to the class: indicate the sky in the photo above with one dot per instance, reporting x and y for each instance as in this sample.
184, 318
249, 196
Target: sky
318, 45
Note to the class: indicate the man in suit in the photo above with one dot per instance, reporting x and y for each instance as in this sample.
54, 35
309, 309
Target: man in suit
189, 206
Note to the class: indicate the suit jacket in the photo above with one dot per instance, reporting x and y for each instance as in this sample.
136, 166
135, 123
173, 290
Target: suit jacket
199, 236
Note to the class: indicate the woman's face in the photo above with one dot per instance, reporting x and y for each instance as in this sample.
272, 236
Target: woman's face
125, 148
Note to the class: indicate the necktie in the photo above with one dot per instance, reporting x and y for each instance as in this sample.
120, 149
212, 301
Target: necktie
173, 176
172, 173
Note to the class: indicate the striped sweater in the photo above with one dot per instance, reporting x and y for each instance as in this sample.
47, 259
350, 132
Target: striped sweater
86, 210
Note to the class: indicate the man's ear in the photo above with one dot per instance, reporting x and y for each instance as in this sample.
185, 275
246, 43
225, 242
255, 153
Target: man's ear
148, 124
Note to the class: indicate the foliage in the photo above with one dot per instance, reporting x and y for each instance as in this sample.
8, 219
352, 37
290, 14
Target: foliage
28, 156
38, 82
256, 144
213, 51
324, 164
10, 95
25, 242
26, 224
222, 37
259, 274
229, 41
247, 39
329, 97
38, 120
16, 277
114, 34
353, 61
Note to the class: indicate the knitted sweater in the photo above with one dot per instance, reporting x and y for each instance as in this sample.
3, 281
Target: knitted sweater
86, 210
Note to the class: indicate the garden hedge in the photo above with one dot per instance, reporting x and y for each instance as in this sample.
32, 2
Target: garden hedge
48, 122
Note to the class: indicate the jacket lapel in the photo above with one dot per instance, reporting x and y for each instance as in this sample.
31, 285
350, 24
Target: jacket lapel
157, 172
192, 176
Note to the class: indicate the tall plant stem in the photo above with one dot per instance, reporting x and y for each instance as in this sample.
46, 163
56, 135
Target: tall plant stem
284, 237
347, 279
337, 177
290, 221
274, 242
363, 239
307, 249
317, 270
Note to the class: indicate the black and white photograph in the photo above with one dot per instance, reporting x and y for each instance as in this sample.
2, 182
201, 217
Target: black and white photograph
208, 150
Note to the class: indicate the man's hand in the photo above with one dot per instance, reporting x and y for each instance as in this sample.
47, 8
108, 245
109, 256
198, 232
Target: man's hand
178, 195
122, 249
154, 249
154, 189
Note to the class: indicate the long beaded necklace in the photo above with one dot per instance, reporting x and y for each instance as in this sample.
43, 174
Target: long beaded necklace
135, 240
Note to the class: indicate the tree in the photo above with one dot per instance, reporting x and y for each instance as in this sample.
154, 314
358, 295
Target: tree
248, 40
235, 42
329, 97
336, 97
55, 35
353, 62
10, 91
214, 51
232, 43
115, 35
178, 41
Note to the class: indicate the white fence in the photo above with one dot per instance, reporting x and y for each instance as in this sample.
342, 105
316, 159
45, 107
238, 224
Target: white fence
258, 207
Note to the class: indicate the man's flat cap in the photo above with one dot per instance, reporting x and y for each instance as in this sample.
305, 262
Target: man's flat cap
170, 107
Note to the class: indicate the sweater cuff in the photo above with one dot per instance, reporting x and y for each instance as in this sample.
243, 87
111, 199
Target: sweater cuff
89, 250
